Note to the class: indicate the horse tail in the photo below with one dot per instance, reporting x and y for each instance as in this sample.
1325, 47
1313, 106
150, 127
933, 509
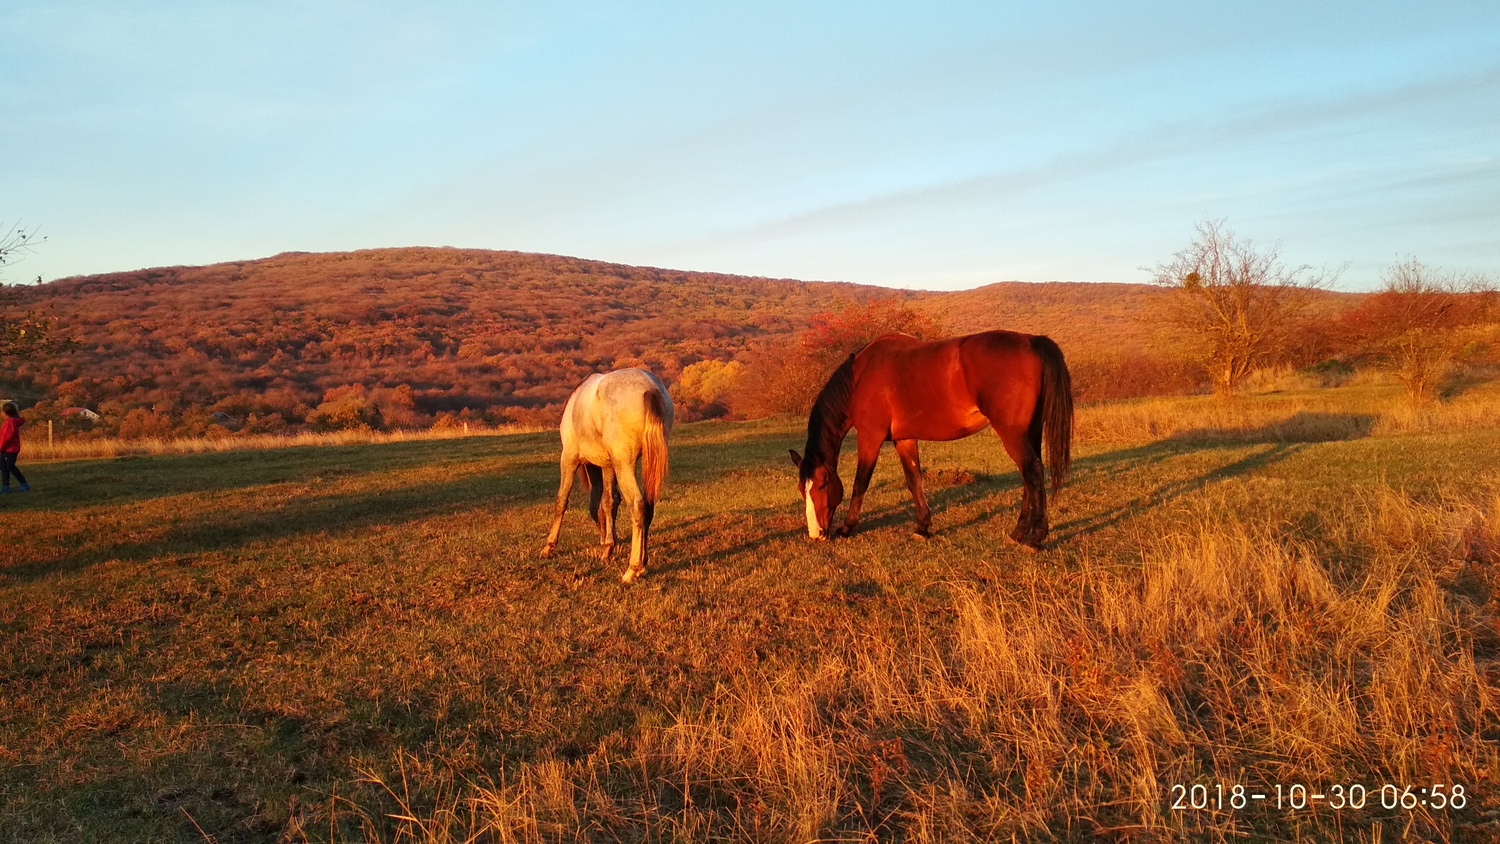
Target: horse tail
654, 447
1055, 408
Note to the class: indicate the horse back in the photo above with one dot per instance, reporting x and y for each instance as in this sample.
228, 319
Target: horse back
1005, 374
607, 414
942, 389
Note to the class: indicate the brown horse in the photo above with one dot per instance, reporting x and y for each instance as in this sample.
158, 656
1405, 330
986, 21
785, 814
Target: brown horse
901, 389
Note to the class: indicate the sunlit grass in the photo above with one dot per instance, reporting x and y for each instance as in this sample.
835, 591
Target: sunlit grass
357, 641
1303, 415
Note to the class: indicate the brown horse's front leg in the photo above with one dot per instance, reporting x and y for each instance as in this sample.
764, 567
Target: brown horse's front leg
911, 464
866, 455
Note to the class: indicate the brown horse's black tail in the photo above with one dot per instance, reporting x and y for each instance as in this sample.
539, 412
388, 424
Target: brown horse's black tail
1055, 409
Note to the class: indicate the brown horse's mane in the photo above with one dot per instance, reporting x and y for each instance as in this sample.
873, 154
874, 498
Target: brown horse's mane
829, 420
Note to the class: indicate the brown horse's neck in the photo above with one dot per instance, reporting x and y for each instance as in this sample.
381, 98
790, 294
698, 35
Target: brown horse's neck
829, 420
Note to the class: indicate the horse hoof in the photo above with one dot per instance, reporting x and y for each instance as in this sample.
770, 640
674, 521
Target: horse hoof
631, 574
1028, 541
923, 535
1033, 543
547, 551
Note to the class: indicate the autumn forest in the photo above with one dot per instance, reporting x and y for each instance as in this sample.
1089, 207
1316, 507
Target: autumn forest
417, 337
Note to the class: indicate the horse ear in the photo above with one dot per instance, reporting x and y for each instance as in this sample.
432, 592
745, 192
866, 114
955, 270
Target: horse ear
796, 458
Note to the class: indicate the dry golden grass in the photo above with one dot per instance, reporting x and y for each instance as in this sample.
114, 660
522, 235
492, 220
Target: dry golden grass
1303, 415
1233, 654
357, 642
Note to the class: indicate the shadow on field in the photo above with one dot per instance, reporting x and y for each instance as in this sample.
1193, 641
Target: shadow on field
728, 545
314, 513
497, 474
1117, 462
1283, 439
77, 484
944, 500
1458, 387
941, 498
959, 490
528, 478
1304, 426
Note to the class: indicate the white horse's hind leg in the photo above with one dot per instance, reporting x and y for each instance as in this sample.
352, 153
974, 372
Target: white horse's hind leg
608, 506
631, 492
569, 469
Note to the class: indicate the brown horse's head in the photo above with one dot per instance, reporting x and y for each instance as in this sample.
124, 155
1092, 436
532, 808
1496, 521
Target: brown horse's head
822, 493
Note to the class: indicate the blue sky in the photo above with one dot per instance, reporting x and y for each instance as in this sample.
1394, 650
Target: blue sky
916, 145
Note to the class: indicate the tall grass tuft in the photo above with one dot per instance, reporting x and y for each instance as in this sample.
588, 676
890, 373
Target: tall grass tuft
1359, 649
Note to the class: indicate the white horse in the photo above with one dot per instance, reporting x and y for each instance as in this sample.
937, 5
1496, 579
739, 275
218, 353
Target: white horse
609, 422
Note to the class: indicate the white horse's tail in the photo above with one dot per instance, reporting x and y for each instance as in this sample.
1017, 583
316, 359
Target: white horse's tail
653, 447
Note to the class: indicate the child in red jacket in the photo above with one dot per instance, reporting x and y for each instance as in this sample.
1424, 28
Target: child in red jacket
10, 448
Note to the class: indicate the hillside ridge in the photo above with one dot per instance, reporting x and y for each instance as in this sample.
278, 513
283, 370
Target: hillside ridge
420, 332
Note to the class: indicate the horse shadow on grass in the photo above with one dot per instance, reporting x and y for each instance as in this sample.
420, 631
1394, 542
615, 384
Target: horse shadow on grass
532, 480
951, 492
1304, 426
968, 488
1270, 455
669, 542
79, 484
529, 479
1282, 440
336, 512
1113, 463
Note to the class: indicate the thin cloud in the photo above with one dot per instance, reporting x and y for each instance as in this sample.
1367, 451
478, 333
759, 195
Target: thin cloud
1161, 143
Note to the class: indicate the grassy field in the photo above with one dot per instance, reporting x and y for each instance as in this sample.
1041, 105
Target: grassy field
359, 642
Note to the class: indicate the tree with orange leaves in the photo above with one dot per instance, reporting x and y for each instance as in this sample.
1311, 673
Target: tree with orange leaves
785, 377
1414, 327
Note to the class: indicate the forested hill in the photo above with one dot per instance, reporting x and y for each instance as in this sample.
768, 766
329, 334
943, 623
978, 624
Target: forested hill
429, 331
459, 328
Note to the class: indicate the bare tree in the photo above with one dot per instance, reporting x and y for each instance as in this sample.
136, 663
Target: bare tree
26, 334
1242, 302
1413, 327
14, 242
